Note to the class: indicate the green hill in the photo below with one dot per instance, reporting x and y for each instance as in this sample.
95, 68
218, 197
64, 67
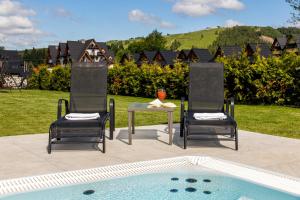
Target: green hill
212, 37
200, 39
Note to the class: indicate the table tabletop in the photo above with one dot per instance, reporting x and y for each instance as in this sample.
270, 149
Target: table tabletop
144, 107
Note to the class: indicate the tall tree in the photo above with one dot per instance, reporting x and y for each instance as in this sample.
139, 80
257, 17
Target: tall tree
116, 46
295, 4
2, 48
137, 46
155, 41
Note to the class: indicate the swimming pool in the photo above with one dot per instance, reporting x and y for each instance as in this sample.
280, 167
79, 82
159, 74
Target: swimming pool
176, 178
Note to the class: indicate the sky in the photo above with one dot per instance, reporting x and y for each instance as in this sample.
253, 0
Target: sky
38, 23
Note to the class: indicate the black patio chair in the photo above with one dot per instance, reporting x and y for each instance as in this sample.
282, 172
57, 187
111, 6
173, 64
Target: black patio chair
206, 95
88, 95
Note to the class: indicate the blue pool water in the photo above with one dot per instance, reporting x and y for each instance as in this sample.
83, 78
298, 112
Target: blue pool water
181, 184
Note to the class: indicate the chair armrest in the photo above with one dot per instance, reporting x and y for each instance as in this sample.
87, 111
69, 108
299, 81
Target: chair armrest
59, 109
112, 108
104, 120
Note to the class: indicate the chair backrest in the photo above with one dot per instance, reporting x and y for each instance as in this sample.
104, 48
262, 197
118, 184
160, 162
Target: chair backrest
206, 87
88, 88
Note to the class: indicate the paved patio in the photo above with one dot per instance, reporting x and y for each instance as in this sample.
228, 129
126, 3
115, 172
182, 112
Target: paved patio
26, 155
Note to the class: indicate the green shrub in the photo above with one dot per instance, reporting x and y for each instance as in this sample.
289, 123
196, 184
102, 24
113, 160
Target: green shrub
44, 78
60, 78
33, 81
273, 80
270, 80
129, 79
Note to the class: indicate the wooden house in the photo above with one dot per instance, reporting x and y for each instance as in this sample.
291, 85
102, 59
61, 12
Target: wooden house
183, 55
227, 51
126, 57
262, 48
61, 54
166, 57
88, 51
199, 55
52, 55
293, 44
12, 62
278, 45
146, 57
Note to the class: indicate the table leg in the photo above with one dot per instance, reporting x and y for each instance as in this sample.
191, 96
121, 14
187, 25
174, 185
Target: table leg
132, 122
170, 127
129, 127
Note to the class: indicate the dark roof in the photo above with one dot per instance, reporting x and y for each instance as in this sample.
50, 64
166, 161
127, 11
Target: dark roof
150, 55
264, 49
75, 50
102, 45
62, 47
53, 52
202, 54
136, 56
14, 61
297, 40
231, 50
87, 43
282, 41
10, 55
127, 56
168, 56
185, 51
109, 53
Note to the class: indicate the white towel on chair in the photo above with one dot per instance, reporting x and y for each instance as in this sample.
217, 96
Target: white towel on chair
210, 116
82, 116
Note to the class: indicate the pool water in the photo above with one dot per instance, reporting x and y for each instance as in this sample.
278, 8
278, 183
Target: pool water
186, 183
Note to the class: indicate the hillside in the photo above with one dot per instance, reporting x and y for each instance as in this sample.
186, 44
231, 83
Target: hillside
200, 39
209, 38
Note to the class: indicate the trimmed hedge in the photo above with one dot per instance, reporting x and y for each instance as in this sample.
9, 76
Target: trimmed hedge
145, 80
56, 79
274, 80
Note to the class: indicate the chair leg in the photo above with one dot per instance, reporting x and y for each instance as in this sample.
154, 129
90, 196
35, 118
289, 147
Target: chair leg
185, 129
103, 142
49, 141
111, 131
232, 131
111, 126
236, 139
181, 129
114, 122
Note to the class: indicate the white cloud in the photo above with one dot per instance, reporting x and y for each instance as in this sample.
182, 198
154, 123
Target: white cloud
232, 23
17, 29
62, 12
197, 8
9, 7
148, 19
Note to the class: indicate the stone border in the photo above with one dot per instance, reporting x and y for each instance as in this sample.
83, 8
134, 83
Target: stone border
258, 176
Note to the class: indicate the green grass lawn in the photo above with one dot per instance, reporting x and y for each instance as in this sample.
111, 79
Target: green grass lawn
32, 111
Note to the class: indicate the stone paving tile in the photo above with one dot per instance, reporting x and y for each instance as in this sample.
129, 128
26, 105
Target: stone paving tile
26, 155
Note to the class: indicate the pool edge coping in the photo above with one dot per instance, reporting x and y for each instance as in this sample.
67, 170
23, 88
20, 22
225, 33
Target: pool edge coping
263, 177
